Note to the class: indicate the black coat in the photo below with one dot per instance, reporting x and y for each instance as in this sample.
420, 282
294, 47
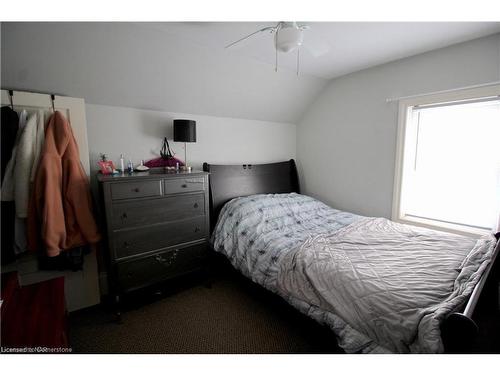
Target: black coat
9, 125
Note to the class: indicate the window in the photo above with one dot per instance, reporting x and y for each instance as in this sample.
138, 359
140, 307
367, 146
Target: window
448, 161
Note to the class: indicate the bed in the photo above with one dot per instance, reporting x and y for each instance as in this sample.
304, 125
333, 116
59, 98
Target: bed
382, 287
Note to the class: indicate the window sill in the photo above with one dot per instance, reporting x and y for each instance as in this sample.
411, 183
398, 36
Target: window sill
442, 226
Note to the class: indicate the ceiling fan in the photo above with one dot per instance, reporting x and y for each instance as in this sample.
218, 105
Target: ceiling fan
288, 37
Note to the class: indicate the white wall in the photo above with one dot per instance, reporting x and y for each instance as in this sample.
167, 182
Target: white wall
138, 134
346, 140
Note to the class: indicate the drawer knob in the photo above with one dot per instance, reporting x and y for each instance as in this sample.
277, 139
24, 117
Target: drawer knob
136, 190
184, 186
195, 205
165, 262
160, 259
197, 229
124, 215
126, 245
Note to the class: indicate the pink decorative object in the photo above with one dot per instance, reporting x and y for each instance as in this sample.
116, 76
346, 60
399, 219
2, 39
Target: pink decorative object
107, 166
166, 159
161, 162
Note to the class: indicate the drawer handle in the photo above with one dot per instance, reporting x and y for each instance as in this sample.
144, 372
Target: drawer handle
184, 186
165, 262
124, 215
126, 245
196, 229
160, 259
136, 190
195, 205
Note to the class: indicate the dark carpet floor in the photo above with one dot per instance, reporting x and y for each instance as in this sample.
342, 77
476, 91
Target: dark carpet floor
233, 316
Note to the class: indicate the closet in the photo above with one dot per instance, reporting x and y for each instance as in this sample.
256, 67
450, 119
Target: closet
81, 287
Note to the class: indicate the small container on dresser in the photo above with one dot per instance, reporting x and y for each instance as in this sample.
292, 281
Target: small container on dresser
157, 226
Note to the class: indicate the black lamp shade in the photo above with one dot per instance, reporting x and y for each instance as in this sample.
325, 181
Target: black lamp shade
184, 131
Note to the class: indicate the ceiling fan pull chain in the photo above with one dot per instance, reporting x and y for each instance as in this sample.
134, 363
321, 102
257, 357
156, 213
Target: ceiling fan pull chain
276, 48
276, 63
298, 60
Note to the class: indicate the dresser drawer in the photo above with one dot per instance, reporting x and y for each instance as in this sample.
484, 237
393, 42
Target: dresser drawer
182, 185
127, 214
141, 272
136, 189
155, 237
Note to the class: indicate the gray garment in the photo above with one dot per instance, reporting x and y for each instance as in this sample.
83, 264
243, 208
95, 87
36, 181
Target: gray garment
380, 286
20, 236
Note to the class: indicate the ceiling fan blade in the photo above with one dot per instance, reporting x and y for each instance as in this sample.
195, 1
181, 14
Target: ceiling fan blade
316, 47
250, 35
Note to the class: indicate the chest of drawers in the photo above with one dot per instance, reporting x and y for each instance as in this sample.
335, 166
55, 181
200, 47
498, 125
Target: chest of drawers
157, 226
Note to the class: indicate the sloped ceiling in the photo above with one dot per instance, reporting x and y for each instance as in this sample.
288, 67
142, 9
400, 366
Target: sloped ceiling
131, 65
183, 67
332, 49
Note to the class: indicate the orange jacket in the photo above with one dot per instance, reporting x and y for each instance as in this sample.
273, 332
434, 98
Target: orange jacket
60, 209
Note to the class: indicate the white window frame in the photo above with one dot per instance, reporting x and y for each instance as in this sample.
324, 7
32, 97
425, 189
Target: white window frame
405, 106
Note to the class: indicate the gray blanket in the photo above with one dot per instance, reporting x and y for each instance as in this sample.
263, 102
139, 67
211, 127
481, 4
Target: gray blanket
379, 285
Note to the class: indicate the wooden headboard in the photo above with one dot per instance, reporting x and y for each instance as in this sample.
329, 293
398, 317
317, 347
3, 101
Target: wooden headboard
232, 181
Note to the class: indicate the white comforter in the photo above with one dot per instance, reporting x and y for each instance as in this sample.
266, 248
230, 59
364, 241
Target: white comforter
392, 284
379, 285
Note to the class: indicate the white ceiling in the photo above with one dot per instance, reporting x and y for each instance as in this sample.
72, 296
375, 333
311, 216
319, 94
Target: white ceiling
340, 47
134, 65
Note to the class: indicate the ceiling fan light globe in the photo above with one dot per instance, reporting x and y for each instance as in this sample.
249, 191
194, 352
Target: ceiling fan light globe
287, 48
289, 39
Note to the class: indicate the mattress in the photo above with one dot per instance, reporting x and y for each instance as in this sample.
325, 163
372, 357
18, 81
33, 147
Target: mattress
382, 287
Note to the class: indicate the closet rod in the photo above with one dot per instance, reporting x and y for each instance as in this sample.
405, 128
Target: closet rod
390, 100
